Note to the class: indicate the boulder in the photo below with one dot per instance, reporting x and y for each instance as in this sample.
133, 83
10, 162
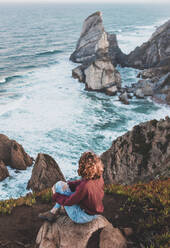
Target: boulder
111, 237
154, 52
139, 93
144, 87
101, 74
45, 173
13, 154
111, 91
78, 73
142, 154
95, 43
3, 171
124, 98
64, 233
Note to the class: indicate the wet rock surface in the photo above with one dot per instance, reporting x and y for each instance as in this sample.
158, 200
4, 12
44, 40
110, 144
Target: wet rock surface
45, 173
13, 154
142, 154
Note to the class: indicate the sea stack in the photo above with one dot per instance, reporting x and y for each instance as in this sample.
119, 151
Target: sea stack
97, 51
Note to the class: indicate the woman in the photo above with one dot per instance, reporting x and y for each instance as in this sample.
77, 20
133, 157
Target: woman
82, 199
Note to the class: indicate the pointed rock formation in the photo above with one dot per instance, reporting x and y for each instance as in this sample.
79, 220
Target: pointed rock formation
95, 43
139, 155
13, 154
155, 52
45, 173
65, 233
93, 39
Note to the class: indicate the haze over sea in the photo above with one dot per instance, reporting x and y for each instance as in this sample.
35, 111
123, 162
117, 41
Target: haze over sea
42, 106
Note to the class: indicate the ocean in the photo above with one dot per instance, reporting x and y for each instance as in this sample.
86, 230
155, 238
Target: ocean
42, 107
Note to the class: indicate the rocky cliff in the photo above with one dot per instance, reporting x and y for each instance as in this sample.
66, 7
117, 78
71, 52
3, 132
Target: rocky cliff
154, 52
139, 155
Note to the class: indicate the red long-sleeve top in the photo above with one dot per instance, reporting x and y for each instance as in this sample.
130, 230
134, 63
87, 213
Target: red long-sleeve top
88, 194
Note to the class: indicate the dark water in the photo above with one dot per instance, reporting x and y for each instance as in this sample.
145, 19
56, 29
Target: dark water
42, 106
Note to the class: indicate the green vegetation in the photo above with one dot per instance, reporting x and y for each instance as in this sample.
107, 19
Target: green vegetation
148, 206
28, 200
144, 207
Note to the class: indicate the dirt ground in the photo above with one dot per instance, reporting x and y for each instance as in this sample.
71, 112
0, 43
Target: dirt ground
20, 228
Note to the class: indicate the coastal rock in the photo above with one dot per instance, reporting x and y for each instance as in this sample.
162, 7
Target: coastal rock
101, 74
45, 173
114, 52
3, 171
154, 52
142, 154
124, 98
78, 73
156, 83
139, 93
93, 39
13, 154
111, 91
65, 233
95, 43
143, 88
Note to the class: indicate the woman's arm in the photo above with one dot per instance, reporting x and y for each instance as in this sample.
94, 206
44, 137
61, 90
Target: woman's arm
73, 184
75, 198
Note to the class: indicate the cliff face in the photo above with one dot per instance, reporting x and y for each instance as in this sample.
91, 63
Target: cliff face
154, 52
139, 155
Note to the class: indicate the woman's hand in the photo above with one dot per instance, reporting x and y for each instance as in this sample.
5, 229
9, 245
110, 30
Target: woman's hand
64, 187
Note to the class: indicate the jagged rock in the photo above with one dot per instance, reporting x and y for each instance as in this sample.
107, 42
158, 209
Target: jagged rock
95, 43
3, 171
144, 88
158, 79
101, 74
64, 233
92, 38
111, 91
78, 73
155, 52
114, 52
139, 93
45, 173
13, 154
124, 98
139, 155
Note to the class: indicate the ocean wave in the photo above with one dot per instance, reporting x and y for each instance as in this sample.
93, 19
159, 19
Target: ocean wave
49, 53
9, 79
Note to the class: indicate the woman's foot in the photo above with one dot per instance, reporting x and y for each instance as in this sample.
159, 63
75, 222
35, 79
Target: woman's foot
47, 216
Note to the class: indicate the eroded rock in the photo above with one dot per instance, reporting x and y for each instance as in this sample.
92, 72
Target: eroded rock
13, 154
154, 52
65, 233
101, 74
124, 98
142, 154
3, 171
111, 237
45, 173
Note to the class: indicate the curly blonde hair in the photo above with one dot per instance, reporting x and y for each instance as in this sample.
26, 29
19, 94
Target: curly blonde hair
90, 166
